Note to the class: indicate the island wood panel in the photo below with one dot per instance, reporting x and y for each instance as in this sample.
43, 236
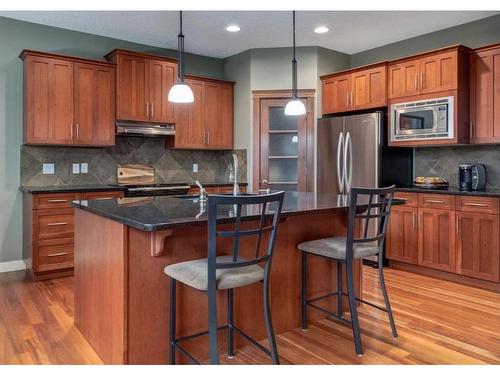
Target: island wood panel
100, 275
100, 285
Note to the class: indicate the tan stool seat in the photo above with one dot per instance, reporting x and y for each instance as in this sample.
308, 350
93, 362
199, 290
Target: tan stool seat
335, 248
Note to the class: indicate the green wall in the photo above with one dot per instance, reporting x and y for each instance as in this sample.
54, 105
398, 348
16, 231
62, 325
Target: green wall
473, 34
15, 36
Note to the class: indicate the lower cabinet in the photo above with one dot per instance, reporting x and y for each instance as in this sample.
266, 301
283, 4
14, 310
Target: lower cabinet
460, 236
478, 245
48, 231
436, 239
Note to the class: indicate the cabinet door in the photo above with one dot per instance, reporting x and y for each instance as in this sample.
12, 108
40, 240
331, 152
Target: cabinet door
48, 101
162, 75
132, 88
336, 94
478, 249
403, 79
438, 72
402, 235
94, 105
436, 239
485, 97
369, 89
225, 125
211, 113
189, 129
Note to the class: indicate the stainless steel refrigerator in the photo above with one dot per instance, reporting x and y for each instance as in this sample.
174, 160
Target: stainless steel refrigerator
352, 152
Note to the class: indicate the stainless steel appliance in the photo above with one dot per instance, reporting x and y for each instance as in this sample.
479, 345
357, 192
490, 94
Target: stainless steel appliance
351, 151
428, 119
155, 189
144, 129
471, 176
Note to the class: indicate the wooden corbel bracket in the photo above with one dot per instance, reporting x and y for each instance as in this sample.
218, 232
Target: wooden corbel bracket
158, 241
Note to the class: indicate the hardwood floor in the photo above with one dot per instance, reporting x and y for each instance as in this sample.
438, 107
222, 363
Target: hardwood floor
439, 322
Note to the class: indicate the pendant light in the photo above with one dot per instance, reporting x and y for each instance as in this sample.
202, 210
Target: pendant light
180, 92
294, 107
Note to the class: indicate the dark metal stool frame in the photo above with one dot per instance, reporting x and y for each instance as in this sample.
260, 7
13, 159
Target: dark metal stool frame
384, 209
213, 233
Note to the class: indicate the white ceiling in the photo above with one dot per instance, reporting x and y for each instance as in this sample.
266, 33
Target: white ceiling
350, 31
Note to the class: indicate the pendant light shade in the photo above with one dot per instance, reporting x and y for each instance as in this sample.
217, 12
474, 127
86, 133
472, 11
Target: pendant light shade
294, 107
180, 92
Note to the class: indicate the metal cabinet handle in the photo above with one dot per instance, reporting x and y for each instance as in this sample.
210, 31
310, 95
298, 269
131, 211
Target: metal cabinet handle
71, 131
57, 254
422, 81
57, 224
433, 201
57, 200
208, 138
458, 226
147, 110
347, 98
476, 204
471, 129
416, 82
420, 220
77, 131
352, 99
152, 110
414, 220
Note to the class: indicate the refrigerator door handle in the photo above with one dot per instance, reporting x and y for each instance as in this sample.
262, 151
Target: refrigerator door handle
341, 169
348, 160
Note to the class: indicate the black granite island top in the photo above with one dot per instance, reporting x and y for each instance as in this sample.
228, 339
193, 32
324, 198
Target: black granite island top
164, 212
69, 188
452, 191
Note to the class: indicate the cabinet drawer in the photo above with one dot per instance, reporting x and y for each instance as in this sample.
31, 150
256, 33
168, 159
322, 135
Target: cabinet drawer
58, 200
98, 195
441, 201
49, 224
411, 199
488, 205
55, 254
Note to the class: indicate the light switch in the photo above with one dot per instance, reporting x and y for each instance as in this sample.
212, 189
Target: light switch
76, 168
48, 168
84, 168
195, 168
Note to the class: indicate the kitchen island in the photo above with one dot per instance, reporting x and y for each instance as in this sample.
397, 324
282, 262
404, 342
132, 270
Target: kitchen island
121, 291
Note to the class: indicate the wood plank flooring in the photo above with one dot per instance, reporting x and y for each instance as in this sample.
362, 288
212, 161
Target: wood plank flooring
439, 322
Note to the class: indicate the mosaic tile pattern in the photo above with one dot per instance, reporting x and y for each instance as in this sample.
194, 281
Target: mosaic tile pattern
444, 162
170, 165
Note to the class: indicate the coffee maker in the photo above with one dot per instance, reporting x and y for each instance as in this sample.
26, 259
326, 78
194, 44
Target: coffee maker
471, 176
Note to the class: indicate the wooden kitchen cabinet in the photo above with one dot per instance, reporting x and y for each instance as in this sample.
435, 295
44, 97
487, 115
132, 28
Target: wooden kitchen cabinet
68, 100
143, 83
48, 231
355, 89
485, 95
437, 239
403, 79
207, 123
94, 98
402, 235
478, 248
439, 72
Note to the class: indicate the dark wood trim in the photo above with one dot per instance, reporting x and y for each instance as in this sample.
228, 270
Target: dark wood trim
257, 96
116, 51
278, 94
353, 70
29, 52
455, 47
483, 284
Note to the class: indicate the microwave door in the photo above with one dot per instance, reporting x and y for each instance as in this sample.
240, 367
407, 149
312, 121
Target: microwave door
416, 121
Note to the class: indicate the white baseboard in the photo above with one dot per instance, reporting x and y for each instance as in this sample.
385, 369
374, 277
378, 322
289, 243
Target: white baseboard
15, 265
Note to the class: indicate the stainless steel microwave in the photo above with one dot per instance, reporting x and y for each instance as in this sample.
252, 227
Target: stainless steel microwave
428, 119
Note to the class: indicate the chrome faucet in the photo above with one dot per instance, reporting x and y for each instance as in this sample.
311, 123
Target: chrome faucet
236, 186
203, 192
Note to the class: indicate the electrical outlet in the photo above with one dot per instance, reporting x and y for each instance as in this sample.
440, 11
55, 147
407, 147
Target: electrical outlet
84, 168
76, 168
195, 168
48, 168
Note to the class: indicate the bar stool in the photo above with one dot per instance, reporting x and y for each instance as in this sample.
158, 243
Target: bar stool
366, 206
229, 272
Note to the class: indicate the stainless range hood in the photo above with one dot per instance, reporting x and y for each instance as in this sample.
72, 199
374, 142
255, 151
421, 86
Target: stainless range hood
144, 129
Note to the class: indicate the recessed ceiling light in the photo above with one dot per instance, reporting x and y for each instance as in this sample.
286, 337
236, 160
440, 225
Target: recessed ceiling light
232, 28
321, 30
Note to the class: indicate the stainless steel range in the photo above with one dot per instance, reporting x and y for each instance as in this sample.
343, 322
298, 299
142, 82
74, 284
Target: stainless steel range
155, 189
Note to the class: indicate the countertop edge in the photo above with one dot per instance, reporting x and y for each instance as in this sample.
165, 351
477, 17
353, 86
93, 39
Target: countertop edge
452, 191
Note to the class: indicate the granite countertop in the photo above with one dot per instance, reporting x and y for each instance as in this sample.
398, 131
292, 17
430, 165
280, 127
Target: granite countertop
84, 188
164, 212
452, 191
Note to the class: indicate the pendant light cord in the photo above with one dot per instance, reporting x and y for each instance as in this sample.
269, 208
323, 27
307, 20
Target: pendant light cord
294, 64
180, 49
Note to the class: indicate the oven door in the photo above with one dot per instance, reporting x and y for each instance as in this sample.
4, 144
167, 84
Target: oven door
417, 120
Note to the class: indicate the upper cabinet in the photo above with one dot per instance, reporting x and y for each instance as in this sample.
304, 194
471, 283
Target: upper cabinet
428, 73
485, 95
68, 100
143, 83
357, 89
207, 123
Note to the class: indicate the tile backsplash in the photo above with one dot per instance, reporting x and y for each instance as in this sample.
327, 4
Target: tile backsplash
169, 165
444, 162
